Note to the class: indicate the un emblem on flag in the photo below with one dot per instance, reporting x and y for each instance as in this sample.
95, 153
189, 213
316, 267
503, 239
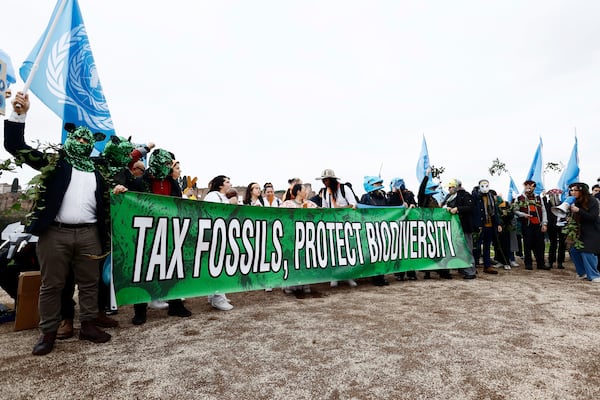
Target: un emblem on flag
72, 77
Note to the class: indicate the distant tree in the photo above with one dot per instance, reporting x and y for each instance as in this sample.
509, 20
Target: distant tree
15, 186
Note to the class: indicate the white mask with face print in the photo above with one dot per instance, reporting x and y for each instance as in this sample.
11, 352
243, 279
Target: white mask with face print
484, 186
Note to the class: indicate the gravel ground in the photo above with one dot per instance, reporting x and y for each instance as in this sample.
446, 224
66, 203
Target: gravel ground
516, 335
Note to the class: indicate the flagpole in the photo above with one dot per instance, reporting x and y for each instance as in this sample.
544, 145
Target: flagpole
40, 54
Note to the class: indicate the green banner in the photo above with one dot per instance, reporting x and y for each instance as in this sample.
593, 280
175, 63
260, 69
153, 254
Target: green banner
168, 248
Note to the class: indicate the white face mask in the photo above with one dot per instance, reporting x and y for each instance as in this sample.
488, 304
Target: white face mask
484, 187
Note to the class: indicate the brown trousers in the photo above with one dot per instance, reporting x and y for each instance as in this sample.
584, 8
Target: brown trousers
59, 251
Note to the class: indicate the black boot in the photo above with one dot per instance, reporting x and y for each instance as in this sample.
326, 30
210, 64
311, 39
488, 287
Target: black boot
177, 309
89, 331
139, 317
379, 280
45, 344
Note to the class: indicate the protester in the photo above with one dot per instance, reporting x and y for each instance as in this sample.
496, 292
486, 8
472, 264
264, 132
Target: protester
375, 196
270, 200
584, 232
299, 193
459, 201
252, 196
69, 219
502, 253
138, 168
399, 195
596, 191
557, 248
217, 189
159, 179
288, 193
112, 164
232, 196
534, 221
336, 195
486, 220
425, 199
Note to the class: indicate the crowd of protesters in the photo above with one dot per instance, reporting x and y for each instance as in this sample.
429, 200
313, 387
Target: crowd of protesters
71, 220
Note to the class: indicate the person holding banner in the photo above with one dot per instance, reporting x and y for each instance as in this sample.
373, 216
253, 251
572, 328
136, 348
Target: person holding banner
299, 193
425, 199
375, 196
158, 179
399, 195
252, 196
69, 218
336, 195
270, 200
217, 193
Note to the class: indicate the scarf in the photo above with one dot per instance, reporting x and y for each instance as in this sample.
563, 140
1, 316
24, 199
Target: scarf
117, 154
78, 154
160, 163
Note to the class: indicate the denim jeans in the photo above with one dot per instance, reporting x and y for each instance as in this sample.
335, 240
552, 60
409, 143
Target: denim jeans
585, 263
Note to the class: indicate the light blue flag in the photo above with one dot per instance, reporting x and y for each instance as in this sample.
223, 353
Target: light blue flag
7, 76
513, 190
10, 71
535, 171
67, 80
570, 173
423, 162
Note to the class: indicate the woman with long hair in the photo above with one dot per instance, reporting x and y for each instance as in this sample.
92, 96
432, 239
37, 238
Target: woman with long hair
218, 188
583, 232
252, 196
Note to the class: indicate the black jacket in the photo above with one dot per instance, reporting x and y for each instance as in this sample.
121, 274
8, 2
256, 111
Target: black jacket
56, 183
464, 202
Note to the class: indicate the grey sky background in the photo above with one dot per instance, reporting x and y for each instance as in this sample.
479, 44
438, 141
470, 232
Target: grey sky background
267, 90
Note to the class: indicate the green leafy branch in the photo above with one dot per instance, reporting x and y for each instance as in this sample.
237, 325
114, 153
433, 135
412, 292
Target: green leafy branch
572, 231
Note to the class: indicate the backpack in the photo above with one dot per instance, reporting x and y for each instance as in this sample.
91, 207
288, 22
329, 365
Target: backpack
342, 189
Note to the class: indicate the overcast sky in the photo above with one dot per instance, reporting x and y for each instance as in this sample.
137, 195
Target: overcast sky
267, 90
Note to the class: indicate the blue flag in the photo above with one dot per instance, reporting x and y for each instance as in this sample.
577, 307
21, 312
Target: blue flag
67, 79
535, 171
10, 71
423, 162
513, 190
570, 173
7, 76
423, 165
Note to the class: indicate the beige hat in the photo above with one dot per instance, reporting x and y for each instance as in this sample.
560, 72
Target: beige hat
327, 173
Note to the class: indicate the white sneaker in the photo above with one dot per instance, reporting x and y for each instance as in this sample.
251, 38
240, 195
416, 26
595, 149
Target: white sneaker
352, 283
507, 267
306, 288
158, 305
288, 290
333, 284
269, 289
514, 264
221, 303
596, 280
582, 276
